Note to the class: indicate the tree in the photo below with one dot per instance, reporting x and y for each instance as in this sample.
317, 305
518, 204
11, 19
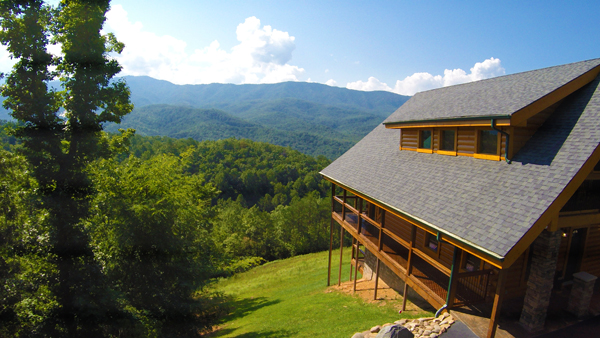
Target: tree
151, 231
59, 146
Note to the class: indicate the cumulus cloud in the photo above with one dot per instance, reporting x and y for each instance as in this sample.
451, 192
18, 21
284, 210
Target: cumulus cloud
331, 82
261, 56
425, 81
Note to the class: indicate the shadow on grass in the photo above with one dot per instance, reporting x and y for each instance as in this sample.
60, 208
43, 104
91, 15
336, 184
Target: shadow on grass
265, 334
243, 307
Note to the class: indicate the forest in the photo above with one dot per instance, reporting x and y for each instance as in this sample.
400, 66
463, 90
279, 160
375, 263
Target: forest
165, 213
117, 234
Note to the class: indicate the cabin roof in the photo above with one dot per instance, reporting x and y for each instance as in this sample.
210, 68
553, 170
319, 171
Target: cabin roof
487, 204
498, 97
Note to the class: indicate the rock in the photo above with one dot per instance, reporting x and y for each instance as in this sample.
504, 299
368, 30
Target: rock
427, 332
394, 331
401, 321
375, 329
358, 335
433, 335
386, 324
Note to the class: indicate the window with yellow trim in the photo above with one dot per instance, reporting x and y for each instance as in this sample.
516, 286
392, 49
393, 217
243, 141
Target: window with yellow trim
488, 142
425, 139
447, 139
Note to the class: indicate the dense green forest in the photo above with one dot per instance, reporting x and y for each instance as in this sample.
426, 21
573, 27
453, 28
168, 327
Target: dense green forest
217, 207
212, 124
121, 235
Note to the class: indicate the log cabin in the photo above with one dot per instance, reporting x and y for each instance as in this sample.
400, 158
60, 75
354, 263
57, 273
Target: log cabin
480, 192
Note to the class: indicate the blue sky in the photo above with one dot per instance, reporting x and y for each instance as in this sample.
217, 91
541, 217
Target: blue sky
401, 46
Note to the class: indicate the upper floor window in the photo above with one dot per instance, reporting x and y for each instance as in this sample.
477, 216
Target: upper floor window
488, 142
447, 140
425, 137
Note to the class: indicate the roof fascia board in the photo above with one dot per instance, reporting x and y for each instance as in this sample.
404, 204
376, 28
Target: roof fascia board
553, 210
479, 121
521, 115
489, 256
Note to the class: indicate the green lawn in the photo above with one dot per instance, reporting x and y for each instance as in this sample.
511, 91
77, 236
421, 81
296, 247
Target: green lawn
289, 298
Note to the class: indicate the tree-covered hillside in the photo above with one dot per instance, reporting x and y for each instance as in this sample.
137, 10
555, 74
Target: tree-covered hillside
211, 124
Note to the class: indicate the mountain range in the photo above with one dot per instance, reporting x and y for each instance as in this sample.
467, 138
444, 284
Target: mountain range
313, 118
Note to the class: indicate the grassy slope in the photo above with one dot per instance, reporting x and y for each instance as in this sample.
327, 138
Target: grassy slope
289, 298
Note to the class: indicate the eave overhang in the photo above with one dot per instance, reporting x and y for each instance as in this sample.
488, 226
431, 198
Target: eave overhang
474, 249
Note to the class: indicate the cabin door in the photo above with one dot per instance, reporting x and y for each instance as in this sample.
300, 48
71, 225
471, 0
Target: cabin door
575, 252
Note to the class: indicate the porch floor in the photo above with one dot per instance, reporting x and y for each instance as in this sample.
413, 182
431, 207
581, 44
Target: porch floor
477, 317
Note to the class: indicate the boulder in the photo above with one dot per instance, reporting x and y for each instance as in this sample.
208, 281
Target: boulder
394, 331
358, 335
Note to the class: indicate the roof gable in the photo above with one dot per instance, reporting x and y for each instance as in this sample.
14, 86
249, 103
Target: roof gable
499, 97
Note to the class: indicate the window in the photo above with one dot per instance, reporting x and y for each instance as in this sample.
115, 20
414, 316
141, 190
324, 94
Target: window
432, 242
447, 140
488, 142
472, 263
425, 139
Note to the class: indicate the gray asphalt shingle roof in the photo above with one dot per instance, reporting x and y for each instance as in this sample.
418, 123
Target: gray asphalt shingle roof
500, 96
490, 204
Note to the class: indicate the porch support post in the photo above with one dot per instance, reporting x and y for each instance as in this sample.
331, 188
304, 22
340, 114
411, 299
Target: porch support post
498, 297
541, 280
380, 246
342, 236
331, 234
376, 280
352, 255
341, 253
452, 281
356, 266
404, 294
413, 235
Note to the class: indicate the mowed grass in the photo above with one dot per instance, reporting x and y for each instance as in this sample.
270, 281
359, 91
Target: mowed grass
290, 298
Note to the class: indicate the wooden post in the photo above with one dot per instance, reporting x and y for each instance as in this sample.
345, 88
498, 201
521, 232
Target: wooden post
341, 253
356, 266
331, 234
376, 280
452, 283
498, 297
413, 235
352, 255
358, 217
404, 295
342, 237
380, 246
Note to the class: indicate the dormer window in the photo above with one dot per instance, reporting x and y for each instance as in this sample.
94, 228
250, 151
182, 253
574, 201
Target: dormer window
488, 142
448, 140
425, 139
425, 142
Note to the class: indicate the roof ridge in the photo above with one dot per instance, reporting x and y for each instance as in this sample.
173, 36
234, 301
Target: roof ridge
507, 75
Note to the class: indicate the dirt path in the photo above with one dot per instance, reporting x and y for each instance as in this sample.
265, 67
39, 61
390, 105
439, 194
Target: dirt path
385, 295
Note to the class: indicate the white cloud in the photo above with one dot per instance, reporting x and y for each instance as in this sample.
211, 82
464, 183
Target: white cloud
371, 84
261, 56
331, 82
425, 81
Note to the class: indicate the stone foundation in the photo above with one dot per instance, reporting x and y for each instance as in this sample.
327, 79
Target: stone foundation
541, 280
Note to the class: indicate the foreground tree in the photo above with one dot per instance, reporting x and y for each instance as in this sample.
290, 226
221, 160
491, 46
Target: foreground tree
60, 146
151, 231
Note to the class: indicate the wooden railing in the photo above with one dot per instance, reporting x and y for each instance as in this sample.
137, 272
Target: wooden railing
472, 287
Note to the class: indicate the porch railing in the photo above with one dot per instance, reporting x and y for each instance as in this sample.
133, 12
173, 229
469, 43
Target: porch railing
472, 287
